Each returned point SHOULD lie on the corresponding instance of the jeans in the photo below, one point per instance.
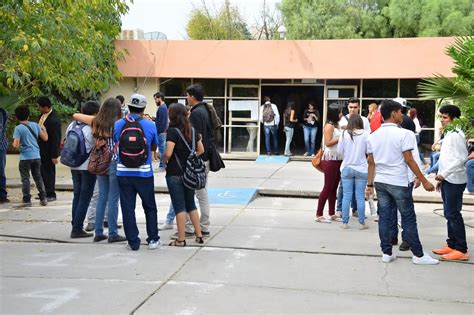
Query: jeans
(83, 183)
(203, 199)
(395, 222)
(182, 197)
(470, 175)
(3, 178)
(391, 197)
(162, 147)
(452, 204)
(93, 205)
(353, 180)
(310, 139)
(340, 194)
(25, 166)
(171, 215)
(273, 130)
(129, 187)
(289, 136)
(108, 197)
(332, 175)
(434, 163)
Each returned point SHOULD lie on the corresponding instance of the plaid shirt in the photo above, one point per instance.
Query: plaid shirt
(3, 130)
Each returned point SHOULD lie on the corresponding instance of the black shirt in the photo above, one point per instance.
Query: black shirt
(180, 150)
(408, 123)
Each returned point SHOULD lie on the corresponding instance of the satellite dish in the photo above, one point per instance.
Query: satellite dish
(155, 36)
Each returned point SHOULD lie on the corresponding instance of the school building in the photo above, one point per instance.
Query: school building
(236, 75)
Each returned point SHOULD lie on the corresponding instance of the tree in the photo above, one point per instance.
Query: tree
(459, 89)
(61, 48)
(227, 23)
(266, 27)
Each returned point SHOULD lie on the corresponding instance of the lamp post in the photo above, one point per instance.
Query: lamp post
(282, 31)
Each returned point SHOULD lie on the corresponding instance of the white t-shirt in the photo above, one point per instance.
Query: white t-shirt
(345, 119)
(275, 121)
(354, 150)
(90, 143)
(387, 145)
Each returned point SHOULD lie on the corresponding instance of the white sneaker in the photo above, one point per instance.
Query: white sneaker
(425, 260)
(154, 244)
(387, 258)
(165, 226)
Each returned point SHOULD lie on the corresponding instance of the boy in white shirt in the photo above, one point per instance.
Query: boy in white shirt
(452, 179)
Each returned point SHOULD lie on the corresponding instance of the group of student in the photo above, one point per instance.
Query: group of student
(113, 144)
(385, 158)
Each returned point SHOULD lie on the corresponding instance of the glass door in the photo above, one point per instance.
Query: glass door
(339, 94)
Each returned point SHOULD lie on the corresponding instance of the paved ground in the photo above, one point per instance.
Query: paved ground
(265, 257)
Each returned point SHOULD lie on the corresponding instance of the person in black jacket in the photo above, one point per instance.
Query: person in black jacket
(49, 150)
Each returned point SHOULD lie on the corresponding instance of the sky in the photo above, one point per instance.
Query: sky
(170, 16)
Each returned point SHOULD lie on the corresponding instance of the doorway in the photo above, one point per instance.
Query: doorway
(301, 95)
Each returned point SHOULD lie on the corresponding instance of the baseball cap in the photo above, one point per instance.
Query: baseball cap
(138, 101)
(401, 101)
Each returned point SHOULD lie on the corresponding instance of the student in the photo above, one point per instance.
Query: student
(452, 180)
(123, 107)
(390, 155)
(161, 122)
(139, 179)
(25, 138)
(270, 117)
(175, 157)
(289, 121)
(310, 128)
(83, 181)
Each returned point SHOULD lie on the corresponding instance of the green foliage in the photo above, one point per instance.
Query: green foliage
(459, 89)
(227, 23)
(62, 48)
(328, 19)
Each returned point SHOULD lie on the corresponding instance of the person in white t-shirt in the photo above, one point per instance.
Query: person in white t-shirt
(270, 117)
(390, 156)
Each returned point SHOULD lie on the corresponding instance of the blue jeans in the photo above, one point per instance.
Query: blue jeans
(289, 136)
(340, 194)
(353, 181)
(182, 197)
(470, 175)
(83, 183)
(273, 130)
(129, 187)
(434, 163)
(452, 204)
(171, 215)
(310, 139)
(3, 179)
(162, 147)
(108, 196)
(391, 198)
(394, 221)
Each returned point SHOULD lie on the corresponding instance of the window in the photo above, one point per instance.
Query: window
(380, 88)
(408, 88)
(212, 87)
(174, 87)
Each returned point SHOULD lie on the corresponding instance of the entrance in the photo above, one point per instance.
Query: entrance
(301, 95)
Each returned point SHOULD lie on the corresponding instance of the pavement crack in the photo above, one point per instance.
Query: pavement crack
(384, 280)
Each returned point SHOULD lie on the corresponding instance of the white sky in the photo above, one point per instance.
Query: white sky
(170, 16)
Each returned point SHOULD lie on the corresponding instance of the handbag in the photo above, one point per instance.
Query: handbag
(316, 161)
(215, 159)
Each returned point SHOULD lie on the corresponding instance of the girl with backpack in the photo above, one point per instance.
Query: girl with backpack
(176, 155)
(102, 130)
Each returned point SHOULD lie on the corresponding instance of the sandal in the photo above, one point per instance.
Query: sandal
(178, 243)
(199, 240)
(322, 219)
(335, 217)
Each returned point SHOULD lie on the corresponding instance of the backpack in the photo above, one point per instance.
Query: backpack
(100, 158)
(216, 122)
(268, 113)
(194, 174)
(133, 151)
(74, 152)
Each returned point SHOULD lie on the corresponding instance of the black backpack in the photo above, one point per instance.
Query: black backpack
(133, 151)
(194, 174)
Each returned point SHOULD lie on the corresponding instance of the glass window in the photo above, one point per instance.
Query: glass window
(426, 111)
(365, 106)
(277, 81)
(174, 87)
(242, 138)
(340, 93)
(380, 88)
(308, 81)
(343, 82)
(243, 81)
(426, 141)
(212, 87)
(244, 91)
(408, 88)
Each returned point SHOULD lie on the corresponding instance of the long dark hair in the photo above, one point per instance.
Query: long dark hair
(287, 112)
(103, 123)
(178, 115)
(355, 123)
(334, 109)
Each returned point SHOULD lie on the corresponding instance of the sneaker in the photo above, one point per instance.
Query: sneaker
(165, 226)
(455, 255)
(404, 246)
(50, 199)
(117, 238)
(154, 244)
(44, 202)
(306, 154)
(387, 258)
(90, 227)
(424, 260)
(81, 234)
(99, 238)
(344, 226)
(363, 226)
(4, 200)
(128, 247)
(313, 155)
(335, 217)
(322, 220)
(205, 233)
(186, 235)
(443, 251)
(26, 204)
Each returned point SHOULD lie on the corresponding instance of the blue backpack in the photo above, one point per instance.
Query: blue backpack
(74, 153)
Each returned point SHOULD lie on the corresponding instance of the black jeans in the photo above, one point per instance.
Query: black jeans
(25, 166)
(452, 204)
(83, 183)
(48, 173)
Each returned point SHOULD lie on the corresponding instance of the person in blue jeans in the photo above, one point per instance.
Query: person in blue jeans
(270, 117)
(352, 146)
(390, 156)
(138, 180)
(161, 122)
(470, 173)
(3, 155)
(310, 128)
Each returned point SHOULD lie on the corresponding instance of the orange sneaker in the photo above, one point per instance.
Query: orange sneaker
(455, 255)
(443, 251)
